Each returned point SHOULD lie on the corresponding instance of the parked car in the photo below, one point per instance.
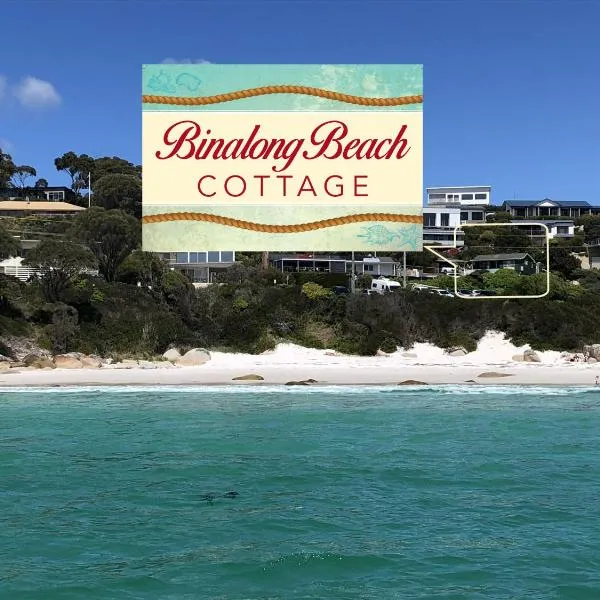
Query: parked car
(340, 290)
(486, 292)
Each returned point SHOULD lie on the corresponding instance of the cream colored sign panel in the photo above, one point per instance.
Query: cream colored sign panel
(301, 158)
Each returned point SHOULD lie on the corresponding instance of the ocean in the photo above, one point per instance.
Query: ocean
(340, 493)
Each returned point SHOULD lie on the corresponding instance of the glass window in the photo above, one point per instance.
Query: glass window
(429, 219)
(477, 216)
(201, 257)
(464, 216)
(467, 196)
(181, 257)
(193, 257)
(226, 256)
(437, 196)
(480, 196)
(213, 257)
(445, 219)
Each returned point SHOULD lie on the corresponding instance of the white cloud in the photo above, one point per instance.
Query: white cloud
(2, 86)
(36, 93)
(185, 61)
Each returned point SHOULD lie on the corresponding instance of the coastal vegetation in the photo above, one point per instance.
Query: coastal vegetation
(98, 293)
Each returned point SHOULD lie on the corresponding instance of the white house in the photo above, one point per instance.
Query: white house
(469, 195)
(439, 223)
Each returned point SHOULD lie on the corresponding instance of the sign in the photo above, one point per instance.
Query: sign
(282, 157)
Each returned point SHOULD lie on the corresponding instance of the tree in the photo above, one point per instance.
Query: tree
(41, 183)
(7, 169)
(77, 167)
(500, 216)
(114, 166)
(57, 262)
(507, 281)
(119, 191)
(9, 245)
(591, 227)
(21, 174)
(110, 235)
(563, 262)
(143, 267)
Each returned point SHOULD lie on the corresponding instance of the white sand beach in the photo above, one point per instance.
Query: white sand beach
(495, 362)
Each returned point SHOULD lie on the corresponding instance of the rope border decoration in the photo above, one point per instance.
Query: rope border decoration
(297, 228)
(282, 89)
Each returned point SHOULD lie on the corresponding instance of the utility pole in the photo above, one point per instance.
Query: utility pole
(89, 190)
(352, 276)
(404, 269)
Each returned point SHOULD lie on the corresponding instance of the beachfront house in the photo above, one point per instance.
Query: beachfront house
(522, 263)
(201, 267)
(49, 194)
(25, 208)
(439, 223)
(532, 209)
(330, 263)
(464, 196)
(558, 229)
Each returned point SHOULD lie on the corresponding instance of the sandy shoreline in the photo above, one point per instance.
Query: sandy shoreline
(575, 375)
(495, 359)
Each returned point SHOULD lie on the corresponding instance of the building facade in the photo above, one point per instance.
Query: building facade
(200, 267)
(531, 209)
(470, 195)
(315, 263)
(439, 223)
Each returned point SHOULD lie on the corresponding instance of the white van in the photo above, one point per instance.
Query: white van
(383, 285)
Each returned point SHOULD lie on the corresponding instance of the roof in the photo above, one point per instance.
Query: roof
(544, 221)
(559, 203)
(486, 257)
(20, 205)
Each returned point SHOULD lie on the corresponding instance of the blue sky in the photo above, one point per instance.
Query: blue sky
(511, 88)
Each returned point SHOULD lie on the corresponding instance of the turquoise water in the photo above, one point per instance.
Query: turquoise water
(453, 493)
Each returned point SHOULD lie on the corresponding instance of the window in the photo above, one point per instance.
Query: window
(226, 256)
(429, 219)
(213, 257)
(481, 196)
(445, 219)
(464, 216)
(453, 196)
(467, 196)
(181, 257)
(369, 267)
(562, 229)
(193, 257)
(55, 196)
(477, 216)
(437, 196)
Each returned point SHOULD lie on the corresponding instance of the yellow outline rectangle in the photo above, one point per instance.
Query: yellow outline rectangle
(456, 293)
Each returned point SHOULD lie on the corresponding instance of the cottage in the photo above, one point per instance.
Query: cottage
(522, 263)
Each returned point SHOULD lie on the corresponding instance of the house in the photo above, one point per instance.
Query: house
(559, 229)
(316, 263)
(470, 195)
(523, 263)
(439, 223)
(531, 209)
(50, 194)
(23, 208)
(200, 267)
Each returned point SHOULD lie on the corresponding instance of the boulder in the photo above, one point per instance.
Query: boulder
(518, 358)
(593, 351)
(456, 352)
(38, 362)
(91, 362)
(164, 364)
(409, 355)
(492, 375)
(68, 361)
(172, 354)
(127, 363)
(531, 356)
(146, 364)
(250, 377)
(194, 358)
(412, 382)
(591, 360)
(4, 366)
(303, 382)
